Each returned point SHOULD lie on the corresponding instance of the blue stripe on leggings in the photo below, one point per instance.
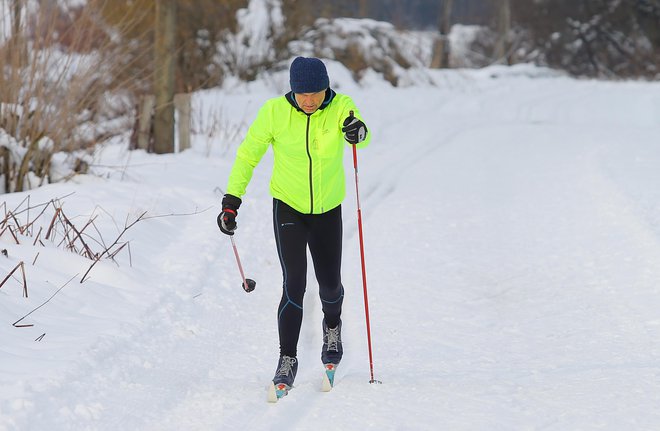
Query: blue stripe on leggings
(279, 253)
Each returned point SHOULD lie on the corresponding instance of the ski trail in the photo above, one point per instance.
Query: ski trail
(534, 247)
(187, 344)
(204, 351)
(512, 266)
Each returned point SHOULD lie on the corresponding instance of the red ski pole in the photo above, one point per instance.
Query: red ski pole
(364, 270)
(248, 284)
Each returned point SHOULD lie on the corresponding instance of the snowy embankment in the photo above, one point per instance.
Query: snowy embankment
(512, 227)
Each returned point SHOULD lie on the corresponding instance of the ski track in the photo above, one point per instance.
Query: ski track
(518, 305)
(178, 369)
(115, 385)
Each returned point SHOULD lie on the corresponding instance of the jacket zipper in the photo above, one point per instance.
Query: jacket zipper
(309, 155)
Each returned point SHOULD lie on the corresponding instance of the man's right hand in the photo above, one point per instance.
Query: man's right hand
(227, 218)
(227, 221)
(355, 131)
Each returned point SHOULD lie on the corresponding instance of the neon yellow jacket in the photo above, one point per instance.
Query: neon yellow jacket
(308, 172)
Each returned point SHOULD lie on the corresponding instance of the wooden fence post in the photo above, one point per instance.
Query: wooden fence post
(145, 122)
(182, 107)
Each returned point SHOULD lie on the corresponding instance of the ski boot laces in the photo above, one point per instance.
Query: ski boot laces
(332, 338)
(286, 366)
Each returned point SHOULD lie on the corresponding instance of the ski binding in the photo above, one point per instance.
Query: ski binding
(329, 377)
(277, 391)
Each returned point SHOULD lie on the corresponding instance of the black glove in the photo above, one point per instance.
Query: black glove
(227, 218)
(354, 130)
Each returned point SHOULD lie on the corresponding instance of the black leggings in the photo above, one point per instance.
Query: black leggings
(294, 232)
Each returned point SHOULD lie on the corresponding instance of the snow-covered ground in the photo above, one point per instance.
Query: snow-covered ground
(512, 235)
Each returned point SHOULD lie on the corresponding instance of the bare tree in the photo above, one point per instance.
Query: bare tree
(57, 94)
(164, 59)
(363, 8)
(442, 48)
(502, 47)
(605, 38)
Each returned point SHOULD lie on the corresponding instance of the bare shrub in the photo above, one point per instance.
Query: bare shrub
(47, 223)
(59, 87)
(215, 128)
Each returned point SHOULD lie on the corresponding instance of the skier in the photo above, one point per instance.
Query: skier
(306, 128)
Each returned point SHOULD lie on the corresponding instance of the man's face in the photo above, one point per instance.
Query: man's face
(310, 102)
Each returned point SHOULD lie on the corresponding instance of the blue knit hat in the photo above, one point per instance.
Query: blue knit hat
(308, 75)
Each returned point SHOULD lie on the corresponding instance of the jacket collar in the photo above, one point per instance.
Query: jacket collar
(329, 95)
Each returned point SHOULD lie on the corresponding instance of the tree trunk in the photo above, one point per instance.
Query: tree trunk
(363, 9)
(442, 48)
(502, 54)
(164, 53)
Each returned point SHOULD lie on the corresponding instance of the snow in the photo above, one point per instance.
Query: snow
(512, 239)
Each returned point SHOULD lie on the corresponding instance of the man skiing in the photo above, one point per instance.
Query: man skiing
(306, 129)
